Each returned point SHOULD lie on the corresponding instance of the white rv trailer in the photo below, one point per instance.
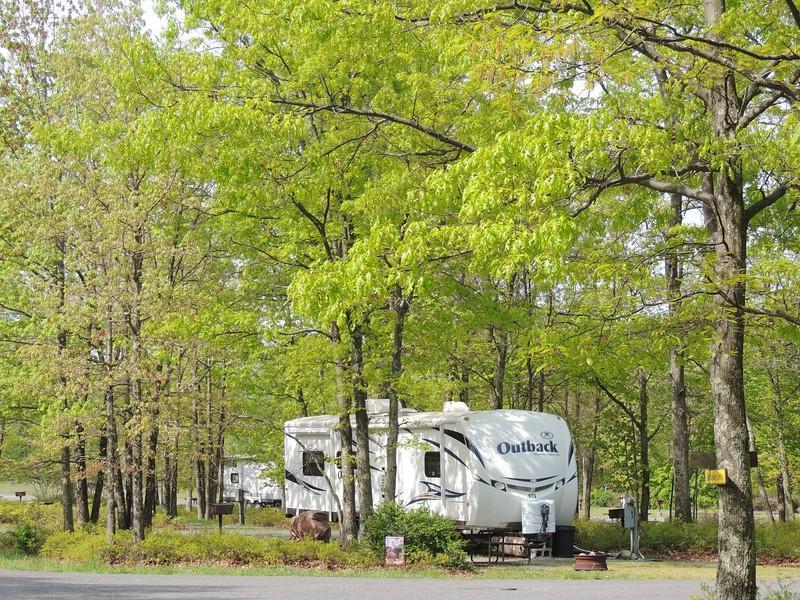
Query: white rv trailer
(245, 474)
(483, 469)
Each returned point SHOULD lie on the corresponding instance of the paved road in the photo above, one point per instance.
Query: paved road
(23, 585)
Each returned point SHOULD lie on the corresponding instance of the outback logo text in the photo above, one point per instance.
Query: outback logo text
(528, 446)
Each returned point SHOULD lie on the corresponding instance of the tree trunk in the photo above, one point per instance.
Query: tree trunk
(99, 481)
(113, 503)
(219, 456)
(137, 504)
(588, 457)
(200, 452)
(680, 419)
(781, 500)
(128, 474)
(151, 489)
(82, 487)
(463, 393)
(170, 462)
(644, 447)
(347, 519)
(736, 567)
(134, 319)
(363, 471)
(401, 307)
(540, 397)
(122, 492)
(500, 342)
(67, 495)
(212, 452)
(680, 437)
(116, 516)
(66, 489)
(751, 444)
(150, 495)
(173, 506)
(166, 463)
(787, 508)
(530, 376)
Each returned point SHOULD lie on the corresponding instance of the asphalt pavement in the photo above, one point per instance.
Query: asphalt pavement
(25, 585)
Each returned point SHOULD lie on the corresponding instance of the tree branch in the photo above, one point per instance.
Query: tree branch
(544, 7)
(16, 310)
(631, 415)
(318, 225)
(305, 332)
(795, 13)
(363, 112)
(765, 202)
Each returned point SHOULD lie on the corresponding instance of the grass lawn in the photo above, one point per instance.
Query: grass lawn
(541, 569)
(626, 569)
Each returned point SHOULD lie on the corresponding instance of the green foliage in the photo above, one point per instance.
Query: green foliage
(779, 541)
(80, 546)
(599, 537)
(429, 539)
(31, 523)
(168, 548)
(27, 538)
(604, 497)
(16, 513)
(773, 542)
(266, 517)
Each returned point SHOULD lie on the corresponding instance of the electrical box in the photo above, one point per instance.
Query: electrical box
(629, 516)
(538, 517)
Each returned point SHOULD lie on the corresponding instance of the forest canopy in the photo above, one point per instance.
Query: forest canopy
(247, 213)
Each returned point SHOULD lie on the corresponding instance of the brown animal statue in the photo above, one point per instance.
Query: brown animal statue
(312, 525)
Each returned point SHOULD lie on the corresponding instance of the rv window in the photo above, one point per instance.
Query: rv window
(432, 465)
(339, 460)
(234, 478)
(312, 462)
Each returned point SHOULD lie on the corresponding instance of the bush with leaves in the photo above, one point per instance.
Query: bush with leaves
(429, 539)
(18, 513)
(773, 542)
(26, 538)
(266, 517)
(170, 547)
(604, 497)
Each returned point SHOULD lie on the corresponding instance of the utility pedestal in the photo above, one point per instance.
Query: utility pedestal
(630, 520)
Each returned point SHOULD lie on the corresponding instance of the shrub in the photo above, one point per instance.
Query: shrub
(429, 538)
(604, 497)
(778, 541)
(600, 537)
(27, 538)
(266, 517)
(78, 546)
(660, 537)
(42, 515)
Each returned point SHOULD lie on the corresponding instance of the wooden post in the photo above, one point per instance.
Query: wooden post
(241, 506)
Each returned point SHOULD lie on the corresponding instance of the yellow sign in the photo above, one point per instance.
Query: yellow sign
(717, 476)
